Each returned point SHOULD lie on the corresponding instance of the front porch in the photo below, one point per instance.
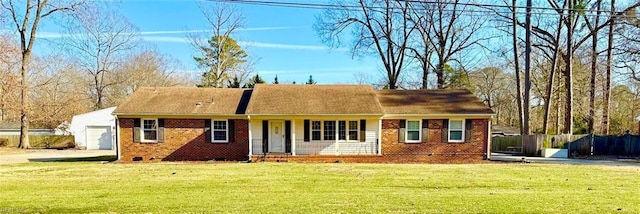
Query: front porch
(315, 137)
(299, 147)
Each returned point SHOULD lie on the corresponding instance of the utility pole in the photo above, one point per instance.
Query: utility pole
(527, 72)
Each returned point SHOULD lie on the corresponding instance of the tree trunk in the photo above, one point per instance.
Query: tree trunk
(607, 88)
(24, 101)
(516, 58)
(594, 68)
(425, 69)
(527, 73)
(557, 117)
(568, 114)
(440, 74)
(554, 66)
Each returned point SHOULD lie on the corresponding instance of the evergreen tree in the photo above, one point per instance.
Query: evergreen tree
(220, 55)
(235, 83)
(253, 81)
(311, 81)
(275, 81)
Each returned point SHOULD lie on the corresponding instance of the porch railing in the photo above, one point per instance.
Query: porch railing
(325, 148)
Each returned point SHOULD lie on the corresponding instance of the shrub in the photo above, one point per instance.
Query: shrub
(4, 142)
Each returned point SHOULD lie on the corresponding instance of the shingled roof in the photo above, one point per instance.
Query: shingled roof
(434, 102)
(313, 100)
(185, 101)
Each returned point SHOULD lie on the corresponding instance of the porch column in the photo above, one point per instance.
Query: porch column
(293, 137)
(379, 136)
(250, 137)
(335, 137)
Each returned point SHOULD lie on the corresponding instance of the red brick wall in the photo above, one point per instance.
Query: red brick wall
(434, 150)
(185, 140)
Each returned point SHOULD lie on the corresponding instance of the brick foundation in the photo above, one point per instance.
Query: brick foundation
(185, 140)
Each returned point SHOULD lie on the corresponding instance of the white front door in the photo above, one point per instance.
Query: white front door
(276, 137)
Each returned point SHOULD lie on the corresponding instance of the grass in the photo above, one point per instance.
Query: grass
(318, 188)
(105, 158)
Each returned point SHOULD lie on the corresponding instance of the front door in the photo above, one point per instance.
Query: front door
(276, 137)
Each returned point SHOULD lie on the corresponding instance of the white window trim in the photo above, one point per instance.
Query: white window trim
(226, 140)
(311, 131)
(462, 131)
(142, 129)
(335, 130)
(348, 128)
(406, 132)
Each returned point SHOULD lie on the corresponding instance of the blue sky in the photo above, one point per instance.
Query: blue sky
(281, 39)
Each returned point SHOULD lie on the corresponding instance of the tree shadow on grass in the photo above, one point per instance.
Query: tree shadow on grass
(76, 159)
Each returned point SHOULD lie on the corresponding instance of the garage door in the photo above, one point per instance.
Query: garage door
(99, 137)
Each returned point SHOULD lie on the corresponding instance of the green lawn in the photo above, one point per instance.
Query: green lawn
(317, 188)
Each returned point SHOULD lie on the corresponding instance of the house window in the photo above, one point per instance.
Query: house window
(315, 130)
(219, 131)
(413, 131)
(342, 130)
(456, 131)
(149, 130)
(353, 130)
(329, 130)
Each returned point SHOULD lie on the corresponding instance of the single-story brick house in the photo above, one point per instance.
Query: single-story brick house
(318, 123)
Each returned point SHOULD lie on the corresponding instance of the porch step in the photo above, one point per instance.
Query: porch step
(273, 158)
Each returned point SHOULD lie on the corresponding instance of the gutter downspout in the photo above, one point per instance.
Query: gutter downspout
(489, 135)
(117, 137)
(250, 138)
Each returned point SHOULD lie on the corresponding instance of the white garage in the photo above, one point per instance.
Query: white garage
(94, 130)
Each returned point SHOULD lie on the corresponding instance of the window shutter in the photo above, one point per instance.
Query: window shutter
(402, 131)
(160, 130)
(265, 136)
(363, 130)
(287, 136)
(467, 131)
(306, 130)
(425, 131)
(445, 130)
(136, 130)
(207, 130)
(231, 129)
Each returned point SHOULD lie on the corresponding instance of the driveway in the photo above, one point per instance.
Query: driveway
(49, 155)
(511, 158)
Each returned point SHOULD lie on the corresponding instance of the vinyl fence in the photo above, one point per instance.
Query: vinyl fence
(40, 141)
(584, 145)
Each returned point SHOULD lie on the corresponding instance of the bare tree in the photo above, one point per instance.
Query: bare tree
(607, 92)
(9, 80)
(594, 64)
(222, 57)
(516, 59)
(379, 27)
(453, 29)
(100, 37)
(147, 68)
(423, 49)
(26, 20)
(58, 90)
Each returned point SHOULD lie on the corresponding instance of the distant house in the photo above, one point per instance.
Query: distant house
(94, 130)
(353, 123)
(502, 130)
